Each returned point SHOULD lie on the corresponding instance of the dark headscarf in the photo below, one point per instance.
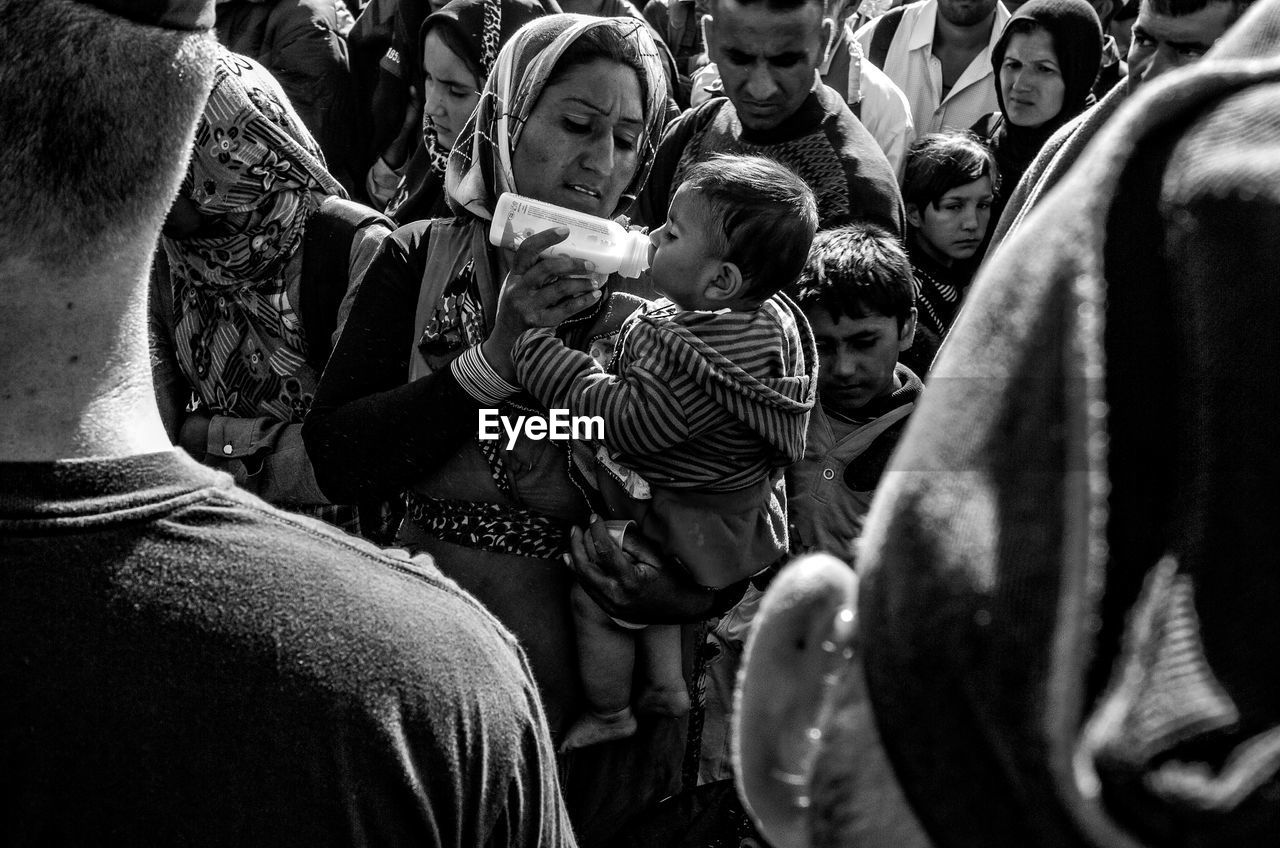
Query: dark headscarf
(1077, 41)
(480, 28)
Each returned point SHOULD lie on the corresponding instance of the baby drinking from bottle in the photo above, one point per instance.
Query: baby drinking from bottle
(705, 401)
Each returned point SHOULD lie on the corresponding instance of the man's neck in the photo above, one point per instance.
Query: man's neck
(797, 123)
(962, 39)
(75, 377)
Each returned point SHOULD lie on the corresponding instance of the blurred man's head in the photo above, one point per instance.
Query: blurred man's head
(768, 53)
(1169, 34)
(99, 112)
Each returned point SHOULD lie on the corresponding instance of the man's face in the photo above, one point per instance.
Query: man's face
(856, 357)
(966, 12)
(1164, 42)
(767, 59)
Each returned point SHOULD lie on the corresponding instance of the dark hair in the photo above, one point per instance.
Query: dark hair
(858, 271)
(1178, 8)
(938, 162)
(98, 121)
(761, 217)
(455, 41)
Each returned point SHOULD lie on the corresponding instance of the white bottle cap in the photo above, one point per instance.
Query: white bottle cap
(635, 260)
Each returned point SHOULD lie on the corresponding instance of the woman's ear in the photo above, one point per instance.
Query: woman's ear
(914, 216)
(798, 660)
(727, 284)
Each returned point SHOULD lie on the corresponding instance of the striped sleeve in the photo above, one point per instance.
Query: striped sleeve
(645, 409)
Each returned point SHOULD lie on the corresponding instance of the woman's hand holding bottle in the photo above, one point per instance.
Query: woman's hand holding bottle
(539, 291)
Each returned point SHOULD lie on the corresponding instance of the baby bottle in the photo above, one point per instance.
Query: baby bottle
(606, 243)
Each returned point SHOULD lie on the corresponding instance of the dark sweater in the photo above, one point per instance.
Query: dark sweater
(184, 665)
(822, 142)
(371, 432)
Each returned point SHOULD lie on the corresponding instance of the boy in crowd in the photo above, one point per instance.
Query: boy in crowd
(705, 402)
(950, 190)
(858, 294)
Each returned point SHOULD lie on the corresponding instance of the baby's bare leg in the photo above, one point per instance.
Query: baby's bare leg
(664, 691)
(606, 660)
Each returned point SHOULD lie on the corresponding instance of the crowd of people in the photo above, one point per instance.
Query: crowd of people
(929, 505)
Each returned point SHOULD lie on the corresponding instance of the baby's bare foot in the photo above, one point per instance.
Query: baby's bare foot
(594, 728)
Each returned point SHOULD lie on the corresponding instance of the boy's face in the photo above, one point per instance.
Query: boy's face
(856, 356)
(682, 261)
(953, 229)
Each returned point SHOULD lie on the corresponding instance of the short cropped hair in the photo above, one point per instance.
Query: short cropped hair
(1178, 8)
(98, 120)
(857, 271)
(760, 216)
(939, 162)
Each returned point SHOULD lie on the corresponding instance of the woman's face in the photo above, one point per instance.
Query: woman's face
(580, 147)
(449, 93)
(1031, 79)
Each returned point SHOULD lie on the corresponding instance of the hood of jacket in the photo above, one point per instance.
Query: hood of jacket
(760, 365)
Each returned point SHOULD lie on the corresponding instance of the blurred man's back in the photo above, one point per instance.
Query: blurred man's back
(181, 663)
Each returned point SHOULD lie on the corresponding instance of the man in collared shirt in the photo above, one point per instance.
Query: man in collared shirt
(940, 57)
(878, 102)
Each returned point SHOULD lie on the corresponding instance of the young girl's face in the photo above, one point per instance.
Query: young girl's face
(953, 228)
(449, 93)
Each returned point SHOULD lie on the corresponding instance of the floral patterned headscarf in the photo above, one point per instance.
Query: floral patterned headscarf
(479, 168)
(259, 174)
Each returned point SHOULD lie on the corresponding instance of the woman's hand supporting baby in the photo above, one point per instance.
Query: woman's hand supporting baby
(539, 291)
(631, 582)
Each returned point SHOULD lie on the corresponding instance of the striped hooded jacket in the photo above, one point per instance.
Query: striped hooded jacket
(714, 401)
